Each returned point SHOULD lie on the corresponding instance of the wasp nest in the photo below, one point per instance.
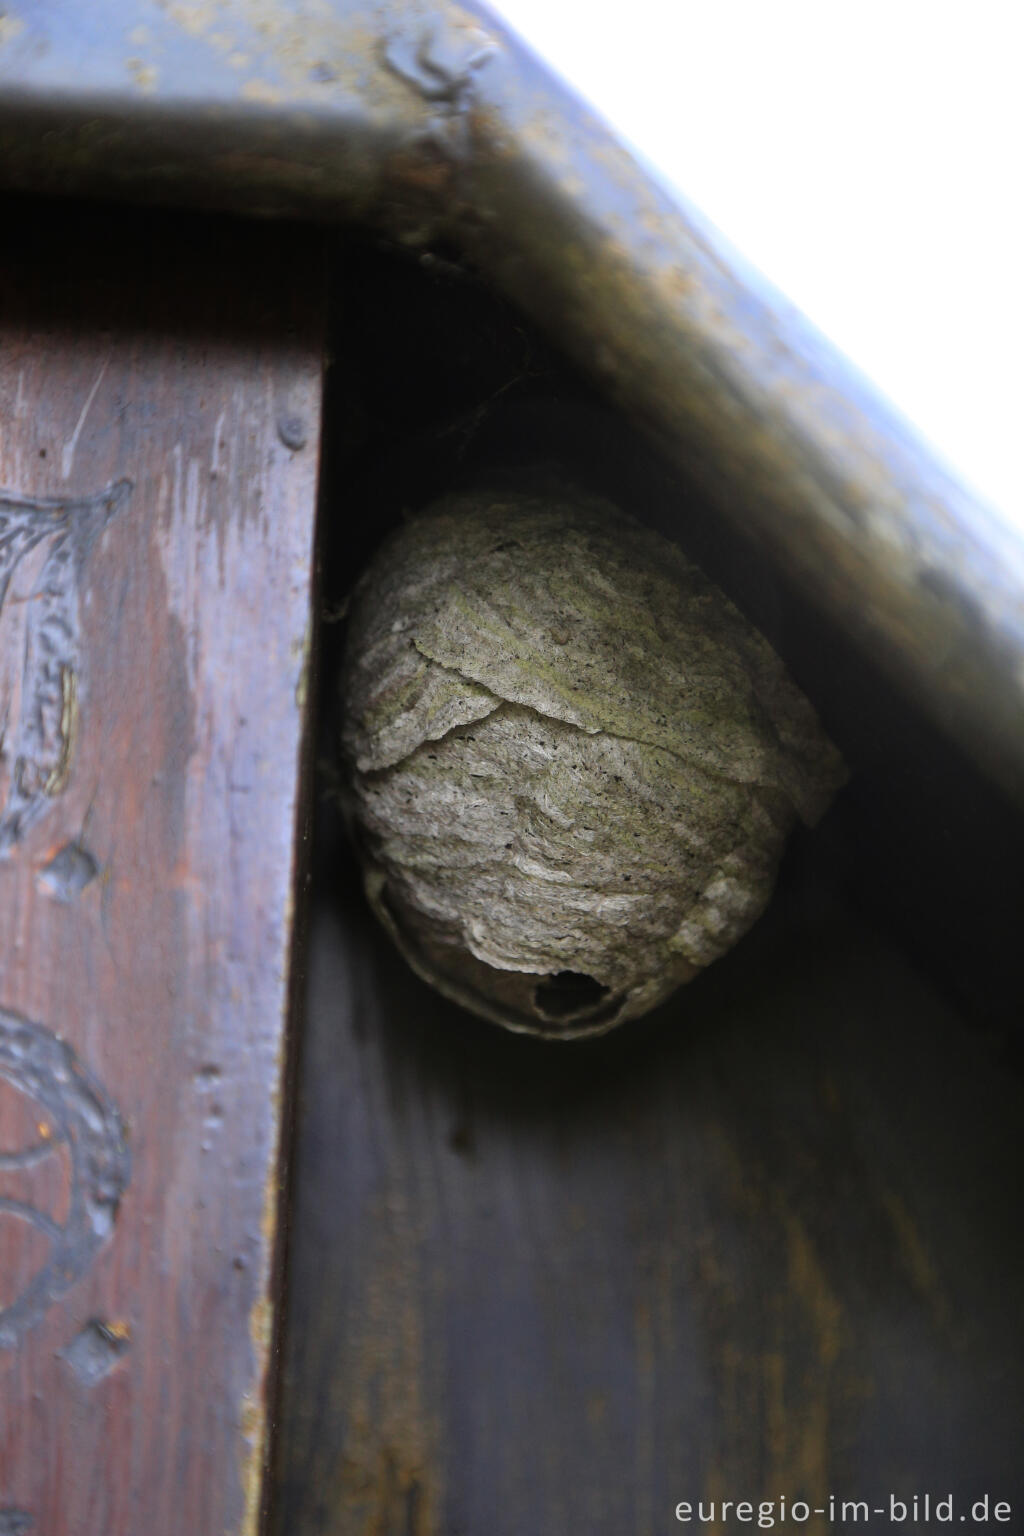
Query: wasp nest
(571, 764)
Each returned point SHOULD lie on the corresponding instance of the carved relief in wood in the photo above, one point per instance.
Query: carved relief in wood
(44, 545)
(74, 1123)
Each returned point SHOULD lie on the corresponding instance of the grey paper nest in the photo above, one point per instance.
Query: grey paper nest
(571, 765)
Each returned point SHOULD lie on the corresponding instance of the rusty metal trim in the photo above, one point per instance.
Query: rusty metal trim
(432, 122)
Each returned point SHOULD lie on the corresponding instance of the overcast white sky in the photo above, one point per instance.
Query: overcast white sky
(866, 156)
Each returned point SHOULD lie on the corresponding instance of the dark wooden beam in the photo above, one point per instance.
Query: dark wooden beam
(159, 431)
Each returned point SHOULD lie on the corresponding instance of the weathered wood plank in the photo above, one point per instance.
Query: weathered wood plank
(765, 1243)
(159, 429)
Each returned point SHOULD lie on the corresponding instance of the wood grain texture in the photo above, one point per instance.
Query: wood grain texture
(153, 720)
(764, 1243)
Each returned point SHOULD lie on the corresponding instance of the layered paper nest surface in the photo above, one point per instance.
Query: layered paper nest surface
(571, 763)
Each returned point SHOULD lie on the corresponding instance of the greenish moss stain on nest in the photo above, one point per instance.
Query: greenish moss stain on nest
(567, 755)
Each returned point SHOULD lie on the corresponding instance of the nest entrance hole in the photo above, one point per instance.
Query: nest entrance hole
(568, 995)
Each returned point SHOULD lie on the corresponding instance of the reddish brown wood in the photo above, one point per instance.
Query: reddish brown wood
(159, 427)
